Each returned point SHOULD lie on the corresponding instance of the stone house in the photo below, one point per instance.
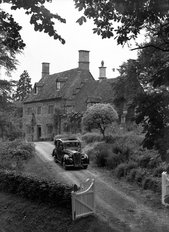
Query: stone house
(54, 96)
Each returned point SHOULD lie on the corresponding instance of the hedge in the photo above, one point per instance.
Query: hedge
(39, 190)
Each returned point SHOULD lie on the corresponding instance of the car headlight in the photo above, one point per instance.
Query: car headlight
(84, 156)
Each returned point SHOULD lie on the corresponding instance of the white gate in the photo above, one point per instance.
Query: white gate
(165, 189)
(83, 200)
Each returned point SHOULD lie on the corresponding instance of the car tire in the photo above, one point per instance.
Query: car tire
(85, 167)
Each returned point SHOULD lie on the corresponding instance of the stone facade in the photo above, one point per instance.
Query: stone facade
(57, 95)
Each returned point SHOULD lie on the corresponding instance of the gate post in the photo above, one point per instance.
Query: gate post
(165, 188)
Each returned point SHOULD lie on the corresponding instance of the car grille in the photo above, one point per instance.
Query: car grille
(77, 158)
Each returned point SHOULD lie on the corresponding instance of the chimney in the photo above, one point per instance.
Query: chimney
(84, 60)
(45, 69)
(102, 72)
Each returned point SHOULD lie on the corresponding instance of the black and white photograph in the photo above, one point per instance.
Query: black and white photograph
(84, 115)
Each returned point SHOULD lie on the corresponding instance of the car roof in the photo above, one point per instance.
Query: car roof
(67, 139)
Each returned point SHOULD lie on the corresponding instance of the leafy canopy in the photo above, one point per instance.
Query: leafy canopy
(124, 20)
(11, 41)
(99, 116)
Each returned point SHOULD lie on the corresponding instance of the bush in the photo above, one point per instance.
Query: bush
(13, 154)
(92, 137)
(158, 171)
(124, 169)
(123, 150)
(120, 170)
(139, 176)
(113, 161)
(101, 158)
(131, 175)
(152, 183)
(35, 189)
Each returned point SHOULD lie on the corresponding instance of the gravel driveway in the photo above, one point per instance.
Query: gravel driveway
(121, 210)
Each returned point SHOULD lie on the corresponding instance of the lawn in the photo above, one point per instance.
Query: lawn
(21, 215)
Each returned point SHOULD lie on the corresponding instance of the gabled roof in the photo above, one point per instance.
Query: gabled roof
(70, 80)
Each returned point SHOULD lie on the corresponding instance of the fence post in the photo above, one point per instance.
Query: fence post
(165, 184)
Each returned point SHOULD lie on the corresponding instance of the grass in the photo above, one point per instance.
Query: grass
(21, 215)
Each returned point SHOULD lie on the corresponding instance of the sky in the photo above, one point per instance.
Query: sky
(42, 48)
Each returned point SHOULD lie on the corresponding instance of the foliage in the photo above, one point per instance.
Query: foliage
(124, 20)
(14, 154)
(99, 116)
(153, 114)
(152, 183)
(153, 68)
(101, 154)
(24, 86)
(39, 190)
(91, 137)
(73, 122)
(113, 160)
(11, 41)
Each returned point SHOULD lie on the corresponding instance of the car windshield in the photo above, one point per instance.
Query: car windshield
(72, 145)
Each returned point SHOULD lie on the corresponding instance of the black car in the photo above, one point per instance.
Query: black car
(68, 153)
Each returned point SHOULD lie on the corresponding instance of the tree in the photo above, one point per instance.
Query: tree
(99, 116)
(24, 86)
(153, 114)
(153, 68)
(124, 20)
(11, 41)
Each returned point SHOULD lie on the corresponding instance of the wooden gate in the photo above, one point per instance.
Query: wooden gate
(83, 200)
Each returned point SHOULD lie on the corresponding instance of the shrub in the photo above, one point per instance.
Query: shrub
(101, 158)
(139, 176)
(35, 189)
(92, 137)
(123, 150)
(158, 171)
(113, 161)
(13, 154)
(152, 183)
(131, 175)
(120, 170)
(123, 169)
(144, 160)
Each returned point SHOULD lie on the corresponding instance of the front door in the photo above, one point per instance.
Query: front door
(39, 132)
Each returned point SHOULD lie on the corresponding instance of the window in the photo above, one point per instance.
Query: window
(39, 110)
(50, 109)
(49, 129)
(58, 85)
(36, 89)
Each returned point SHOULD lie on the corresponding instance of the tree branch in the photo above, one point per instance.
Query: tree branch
(151, 45)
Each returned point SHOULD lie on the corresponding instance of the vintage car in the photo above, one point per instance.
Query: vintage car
(68, 153)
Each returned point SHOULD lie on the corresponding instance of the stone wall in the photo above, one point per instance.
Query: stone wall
(42, 127)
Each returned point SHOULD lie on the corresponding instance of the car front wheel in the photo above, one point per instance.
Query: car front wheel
(85, 166)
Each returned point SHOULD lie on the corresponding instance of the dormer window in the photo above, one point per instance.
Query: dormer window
(58, 85)
(35, 89)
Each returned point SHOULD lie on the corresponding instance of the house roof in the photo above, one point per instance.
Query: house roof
(104, 90)
(71, 81)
